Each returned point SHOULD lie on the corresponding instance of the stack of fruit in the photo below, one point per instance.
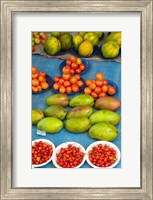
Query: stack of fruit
(99, 87)
(84, 42)
(70, 80)
(112, 45)
(58, 42)
(38, 38)
(39, 82)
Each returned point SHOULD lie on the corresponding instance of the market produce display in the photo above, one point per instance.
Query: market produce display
(82, 104)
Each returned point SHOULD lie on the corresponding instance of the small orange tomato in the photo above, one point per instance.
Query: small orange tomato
(92, 86)
(56, 79)
(73, 79)
(102, 94)
(72, 71)
(41, 78)
(88, 82)
(80, 83)
(44, 85)
(66, 70)
(77, 77)
(66, 77)
(74, 65)
(105, 82)
(68, 62)
(82, 67)
(99, 83)
(42, 73)
(35, 82)
(67, 83)
(104, 88)
(62, 89)
(44, 36)
(39, 88)
(94, 95)
(35, 75)
(75, 88)
(87, 90)
(69, 89)
(72, 58)
(34, 89)
(111, 90)
(56, 86)
(99, 76)
(97, 90)
(78, 70)
(79, 61)
(34, 70)
(61, 81)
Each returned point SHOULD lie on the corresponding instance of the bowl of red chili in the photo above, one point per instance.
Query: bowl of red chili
(42, 152)
(69, 155)
(102, 154)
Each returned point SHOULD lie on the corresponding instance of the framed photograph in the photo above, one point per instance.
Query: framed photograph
(76, 100)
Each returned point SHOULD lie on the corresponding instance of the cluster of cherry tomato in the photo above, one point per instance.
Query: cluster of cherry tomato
(73, 65)
(69, 157)
(39, 82)
(41, 152)
(70, 81)
(99, 87)
(102, 155)
(38, 38)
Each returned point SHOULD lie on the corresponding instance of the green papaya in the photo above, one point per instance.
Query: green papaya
(37, 115)
(82, 100)
(77, 125)
(103, 131)
(105, 116)
(80, 111)
(50, 125)
(55, 111)
(114, 36)
(110, 49)
(57, 99)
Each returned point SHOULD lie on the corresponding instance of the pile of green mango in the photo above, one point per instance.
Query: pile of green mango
(112, 45)
(80, 118)
(57, 42)
(84, 42)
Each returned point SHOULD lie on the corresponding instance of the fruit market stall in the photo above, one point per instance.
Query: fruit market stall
(76, 102)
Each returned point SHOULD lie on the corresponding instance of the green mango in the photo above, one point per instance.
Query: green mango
(110, 49)
(114, 36)
(92, 37)
(80, 111)
(82, 34)
(52, 45)
(85, 48)
(77, 40)
(82, 100)
(55, 34)
(55, 111)
(105, 116)
(66, 41)
(37, 115)
(99, 34)
(103, 131)
(50, 125)
(77, 125)
(57, 99)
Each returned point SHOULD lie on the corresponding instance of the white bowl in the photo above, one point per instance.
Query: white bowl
(47, 142)
(118, 156)
(64, 145)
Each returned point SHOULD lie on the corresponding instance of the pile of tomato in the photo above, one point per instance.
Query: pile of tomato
(71, 79)
(69, 157)
(39, 82)
(99, 87)
(102, 155)
(41, 152)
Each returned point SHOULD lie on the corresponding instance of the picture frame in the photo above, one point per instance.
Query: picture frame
(7, 10)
